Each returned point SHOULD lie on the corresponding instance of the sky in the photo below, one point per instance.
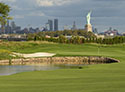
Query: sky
(35, 13)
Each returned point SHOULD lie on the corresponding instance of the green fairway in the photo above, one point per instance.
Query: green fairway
(93, 78)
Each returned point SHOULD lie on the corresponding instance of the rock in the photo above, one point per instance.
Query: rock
(61, 60)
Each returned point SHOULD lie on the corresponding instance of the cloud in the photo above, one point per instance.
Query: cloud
(29, 14)
(48, 3)
(109, 0)
(18, 16)
(8, 1)
(14, 7)
(36, 13)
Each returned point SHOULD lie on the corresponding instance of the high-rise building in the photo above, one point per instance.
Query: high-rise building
(8, 28)
(50, 22)
(46, 27)
(13, 25)
(55, 24)
(74, 26)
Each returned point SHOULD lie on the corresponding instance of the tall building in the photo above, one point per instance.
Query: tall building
(13, 25)
(74, 26)
(50, 22)
(8, 28)
(47, 27)
(55, 24)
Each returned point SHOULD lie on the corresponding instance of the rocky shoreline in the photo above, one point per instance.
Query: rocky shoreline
(60, 60)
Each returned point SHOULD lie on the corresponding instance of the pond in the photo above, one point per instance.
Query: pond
(13, 69)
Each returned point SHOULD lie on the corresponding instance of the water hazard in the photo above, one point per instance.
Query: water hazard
(13, 69)
(8, 70)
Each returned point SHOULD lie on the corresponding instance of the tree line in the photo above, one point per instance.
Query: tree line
(79, 32)
(79, 37)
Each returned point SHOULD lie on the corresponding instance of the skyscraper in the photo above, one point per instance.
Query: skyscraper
(74, 26)
(13, 25)
(50, 22)
(8, 28)
(55, 24)
(46, 27)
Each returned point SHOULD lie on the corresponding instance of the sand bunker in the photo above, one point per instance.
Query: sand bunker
(40, 54)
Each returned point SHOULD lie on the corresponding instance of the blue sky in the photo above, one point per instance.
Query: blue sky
(106, 13)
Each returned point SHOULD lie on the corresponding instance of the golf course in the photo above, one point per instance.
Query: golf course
(91, 78)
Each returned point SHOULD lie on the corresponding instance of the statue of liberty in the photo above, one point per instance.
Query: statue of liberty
(89, 17)
(88, 26)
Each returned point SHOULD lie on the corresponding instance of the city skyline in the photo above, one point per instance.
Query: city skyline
(37, 12)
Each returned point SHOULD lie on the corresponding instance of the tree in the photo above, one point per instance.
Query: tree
(62, 39)
(4, 15)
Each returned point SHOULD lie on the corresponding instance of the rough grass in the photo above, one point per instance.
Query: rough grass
(93, 78)
(5, 54)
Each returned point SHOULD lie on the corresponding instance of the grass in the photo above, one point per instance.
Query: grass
(5, 54)
(94, 78)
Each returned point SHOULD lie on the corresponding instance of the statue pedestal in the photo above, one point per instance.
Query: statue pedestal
(88, 27)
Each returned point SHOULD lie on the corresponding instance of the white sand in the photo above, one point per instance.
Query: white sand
(40, 54)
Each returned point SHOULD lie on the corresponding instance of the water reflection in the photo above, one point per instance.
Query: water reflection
(8, 70)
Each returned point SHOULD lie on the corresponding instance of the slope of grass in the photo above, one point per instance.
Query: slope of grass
(5, 54)
(93, 78)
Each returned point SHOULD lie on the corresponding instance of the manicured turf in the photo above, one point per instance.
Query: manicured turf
(93, 78)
